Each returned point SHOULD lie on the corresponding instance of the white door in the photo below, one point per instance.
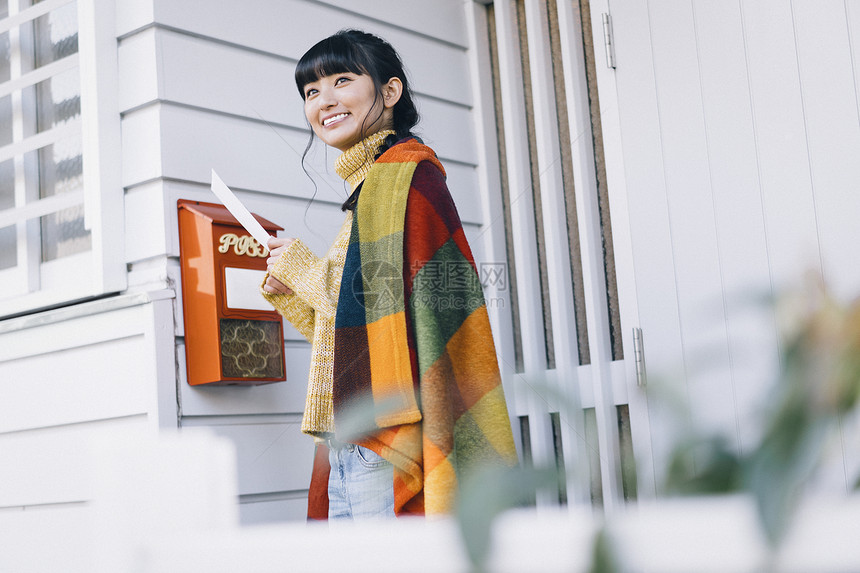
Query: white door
(732, 135)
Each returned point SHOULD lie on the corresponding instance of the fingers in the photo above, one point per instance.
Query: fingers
(276, 247)
(279, 244)
(275, 242)
(274, 286)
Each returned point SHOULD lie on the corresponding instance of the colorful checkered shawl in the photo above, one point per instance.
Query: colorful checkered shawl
(413, 336)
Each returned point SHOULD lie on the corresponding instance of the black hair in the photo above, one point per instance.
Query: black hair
(361, 53)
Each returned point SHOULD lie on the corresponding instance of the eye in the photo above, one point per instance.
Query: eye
(342, 80)
(309, 92)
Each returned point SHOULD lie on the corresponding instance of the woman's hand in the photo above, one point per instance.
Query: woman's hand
(276, 248)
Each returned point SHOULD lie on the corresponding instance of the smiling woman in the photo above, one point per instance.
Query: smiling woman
(388, 330)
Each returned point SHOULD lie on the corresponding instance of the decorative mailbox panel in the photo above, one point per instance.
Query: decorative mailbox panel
(232, 335)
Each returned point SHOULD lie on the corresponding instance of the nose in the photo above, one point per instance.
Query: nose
(326, 98)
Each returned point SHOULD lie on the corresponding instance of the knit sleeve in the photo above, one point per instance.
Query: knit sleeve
(309, 277)
(298, 312)
(312, 281)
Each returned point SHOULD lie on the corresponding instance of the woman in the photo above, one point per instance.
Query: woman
(404, 387)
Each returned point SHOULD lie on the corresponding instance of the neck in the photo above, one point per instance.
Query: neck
(354, 163)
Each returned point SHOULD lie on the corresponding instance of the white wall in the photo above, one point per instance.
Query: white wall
(68, 377)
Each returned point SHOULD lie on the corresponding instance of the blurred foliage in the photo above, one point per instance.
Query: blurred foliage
(818, 382)
(603, 557)
(488, 492)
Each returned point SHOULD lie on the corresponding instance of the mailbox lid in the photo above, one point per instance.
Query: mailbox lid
(218, 214)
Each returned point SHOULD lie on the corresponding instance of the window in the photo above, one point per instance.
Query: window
(50, 236)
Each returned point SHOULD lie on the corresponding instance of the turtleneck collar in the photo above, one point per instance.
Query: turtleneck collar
(354, 163)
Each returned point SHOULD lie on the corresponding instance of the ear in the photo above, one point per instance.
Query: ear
(391, 92)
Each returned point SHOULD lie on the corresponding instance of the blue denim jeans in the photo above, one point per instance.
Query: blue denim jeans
(360, 485)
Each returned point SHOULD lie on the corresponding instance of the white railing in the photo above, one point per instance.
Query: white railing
(168, 503)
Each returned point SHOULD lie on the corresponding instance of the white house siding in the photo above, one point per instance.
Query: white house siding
(739, 128)
(201, 85)
(208, 84)
(68, 377)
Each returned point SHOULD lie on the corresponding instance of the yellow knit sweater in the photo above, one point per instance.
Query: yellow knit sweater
(315, 283)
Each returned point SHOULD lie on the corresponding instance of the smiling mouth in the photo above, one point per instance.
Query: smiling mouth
(334, 118)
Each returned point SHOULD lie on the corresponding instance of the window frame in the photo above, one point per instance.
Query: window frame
(34, 284)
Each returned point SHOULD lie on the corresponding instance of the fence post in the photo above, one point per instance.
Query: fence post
(150, 487)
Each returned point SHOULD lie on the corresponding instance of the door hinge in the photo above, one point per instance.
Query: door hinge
(608, 41)
(639, 357)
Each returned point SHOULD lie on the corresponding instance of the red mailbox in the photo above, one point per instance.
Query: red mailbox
(232, 335)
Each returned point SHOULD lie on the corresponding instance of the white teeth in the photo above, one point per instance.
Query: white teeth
(334, 118)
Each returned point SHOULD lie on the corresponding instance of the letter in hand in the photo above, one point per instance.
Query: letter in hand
(276, 247)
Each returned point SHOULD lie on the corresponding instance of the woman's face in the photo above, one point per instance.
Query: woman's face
(344, 108)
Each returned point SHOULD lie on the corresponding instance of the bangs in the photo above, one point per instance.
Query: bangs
(334, 55)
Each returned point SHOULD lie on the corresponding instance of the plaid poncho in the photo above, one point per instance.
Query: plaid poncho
(413, 336)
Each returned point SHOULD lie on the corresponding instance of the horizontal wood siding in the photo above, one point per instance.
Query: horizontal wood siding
(52, 465)
(259, 512)
(69, 378)
(273, 458)
(279, 398)
(25, 532)
(441, 20)
(92, 367)
(289, 27)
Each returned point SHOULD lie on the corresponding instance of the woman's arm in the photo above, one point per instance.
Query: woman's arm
(300, 285)
(296, 310)
(305, 275)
